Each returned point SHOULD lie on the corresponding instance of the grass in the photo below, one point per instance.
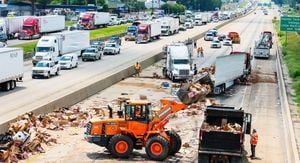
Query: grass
(94, 34)
(69, 23)
(104, 32)
(291, 57)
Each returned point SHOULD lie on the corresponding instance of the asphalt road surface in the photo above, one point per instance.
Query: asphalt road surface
(259, 98)
(35, 92)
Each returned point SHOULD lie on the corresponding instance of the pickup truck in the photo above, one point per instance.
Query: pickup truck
(45, 69)
(111, 48)
(115, 39)
(91, 54)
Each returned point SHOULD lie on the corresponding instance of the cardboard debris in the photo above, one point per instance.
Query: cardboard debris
(186, 145)
(225, 127)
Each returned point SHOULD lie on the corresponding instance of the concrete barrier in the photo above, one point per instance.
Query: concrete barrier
(100, 83)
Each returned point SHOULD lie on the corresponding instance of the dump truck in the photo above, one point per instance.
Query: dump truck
(11, 61)
(178, 61)
(227, 70)
(234, 36)
(148, 31)
(34, 27)
(51, 47)
(222, 135)
(92, 20)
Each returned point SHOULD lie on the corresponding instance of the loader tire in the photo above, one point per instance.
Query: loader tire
(175, 142)
(157, 148)
(120, 146)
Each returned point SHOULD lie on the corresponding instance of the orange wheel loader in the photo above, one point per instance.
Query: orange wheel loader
(140, 127)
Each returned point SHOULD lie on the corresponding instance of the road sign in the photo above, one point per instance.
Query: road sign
(290, 23)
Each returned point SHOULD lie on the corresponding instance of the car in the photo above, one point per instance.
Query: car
(111, 48)
(68, 61)
(215, 44)
(215, 20)
(227, 41)
(182, 28)
(91, 54)
(208, 36)
(221, 37)
(98, 44)
(46, 69)
(123, 20)
(214, 32)
(115, 39)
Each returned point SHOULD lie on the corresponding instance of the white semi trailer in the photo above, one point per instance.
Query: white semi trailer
(12, 67)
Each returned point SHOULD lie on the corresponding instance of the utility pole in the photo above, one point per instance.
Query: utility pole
(152, 7)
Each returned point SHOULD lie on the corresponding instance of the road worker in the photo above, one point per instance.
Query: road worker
(253, 142)
(137, 68)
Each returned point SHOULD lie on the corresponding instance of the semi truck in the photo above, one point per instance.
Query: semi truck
(169, 26)
(34, 27)
(132, 31)
(92, 20)
(222, 134)
(148, 31)
(57, 44)
(227, 70)
(11, 61)
(198, 19)
(263, 45)
(10, 26)
(178, 61)
(205, 18)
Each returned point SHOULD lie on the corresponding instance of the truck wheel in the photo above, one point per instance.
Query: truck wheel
(236, 160)
(57, 73)
(157, 148)
(175, 142)
(120, 146)
(203, 158)
(48, 75)
(7, 86)
(12, 84)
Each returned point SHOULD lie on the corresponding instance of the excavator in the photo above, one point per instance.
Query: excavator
(140, 127)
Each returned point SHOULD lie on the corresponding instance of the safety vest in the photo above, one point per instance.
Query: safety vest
(254, 139)
(137, 66)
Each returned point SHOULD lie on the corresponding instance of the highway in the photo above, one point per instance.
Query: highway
(33, 93)
(259, 98)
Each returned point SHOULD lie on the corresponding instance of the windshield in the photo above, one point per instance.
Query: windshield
(181, 61)
(85, 20)
(110, 45)
(216, 41)
(209, 34)
(65, 58)
(90, 51)
(43, 49)
(27, 27)
(165, 26)
(42, 64)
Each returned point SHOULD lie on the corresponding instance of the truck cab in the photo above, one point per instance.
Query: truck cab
(198, 19)
(165, 28)
(131, 33)
(46, 49)
(30, 29)
(178, 62)
(3, 30)
(86, 21)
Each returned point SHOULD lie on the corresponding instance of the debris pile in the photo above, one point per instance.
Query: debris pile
(29, 133)
(225, 127)
(193, 92)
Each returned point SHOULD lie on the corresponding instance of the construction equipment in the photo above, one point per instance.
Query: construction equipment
(141, 126)
(234, 37)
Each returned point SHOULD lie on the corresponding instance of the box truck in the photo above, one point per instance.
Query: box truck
(169, 26)
(198, 19)
(148, 31)
(12, 67)
(205, 17)
(92, 20)
(57, 44)
(34, 27)
(9, 27)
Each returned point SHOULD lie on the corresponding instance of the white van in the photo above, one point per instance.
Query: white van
(68, 61)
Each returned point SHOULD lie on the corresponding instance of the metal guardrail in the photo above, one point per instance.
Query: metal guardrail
(290, 139)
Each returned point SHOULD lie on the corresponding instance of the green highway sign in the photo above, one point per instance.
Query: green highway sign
(290, 23)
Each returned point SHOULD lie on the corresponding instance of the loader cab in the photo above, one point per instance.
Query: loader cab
(138, 111)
